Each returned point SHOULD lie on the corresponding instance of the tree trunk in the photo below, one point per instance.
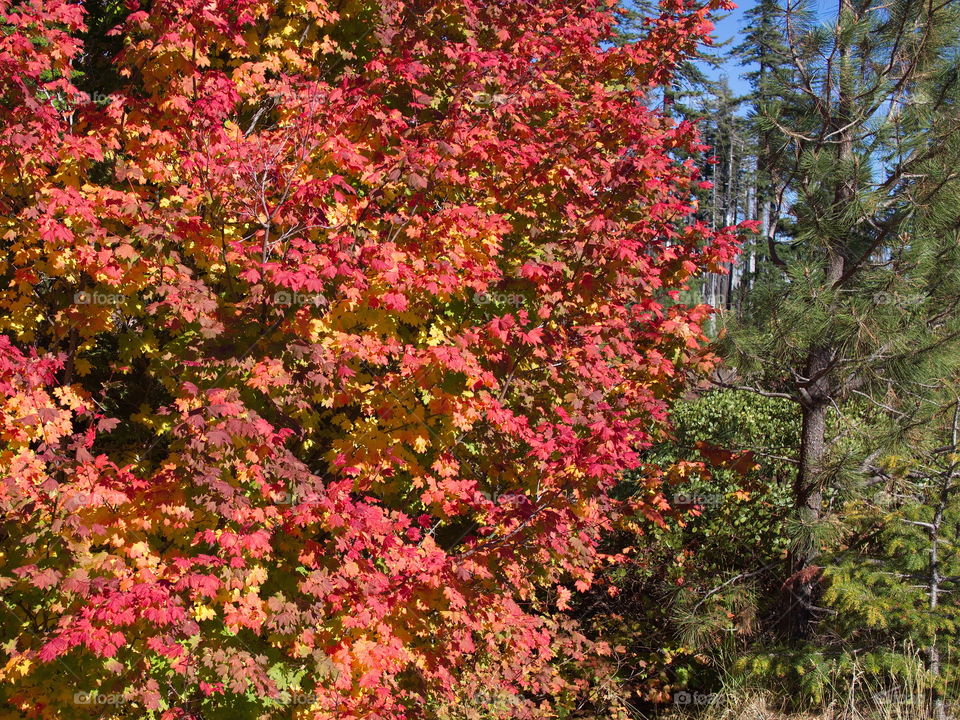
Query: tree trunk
(799, 589)
(816, 389)
(817, 392)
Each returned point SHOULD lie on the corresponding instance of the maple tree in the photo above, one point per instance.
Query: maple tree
(326, 330)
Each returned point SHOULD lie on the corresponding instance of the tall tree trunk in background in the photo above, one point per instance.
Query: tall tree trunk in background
(728, 215)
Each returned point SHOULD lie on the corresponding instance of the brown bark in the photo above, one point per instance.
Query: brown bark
(800, 588)
(817, 390)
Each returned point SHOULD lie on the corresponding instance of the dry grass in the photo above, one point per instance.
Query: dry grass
(890, 705)
(858, 698)
(758, 708)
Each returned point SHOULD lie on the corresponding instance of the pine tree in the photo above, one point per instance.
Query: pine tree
(857, 305)
(895, 577)
(691, 75)
(763, 52)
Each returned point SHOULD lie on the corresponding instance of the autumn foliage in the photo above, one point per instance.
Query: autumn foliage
(326, 330)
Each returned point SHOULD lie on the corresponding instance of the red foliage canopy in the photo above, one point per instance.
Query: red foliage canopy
(328, 327)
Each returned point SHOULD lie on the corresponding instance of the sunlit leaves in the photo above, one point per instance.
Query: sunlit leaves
(330, 328)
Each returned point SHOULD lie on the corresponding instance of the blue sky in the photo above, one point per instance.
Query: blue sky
(734, 24)
(729, 28)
